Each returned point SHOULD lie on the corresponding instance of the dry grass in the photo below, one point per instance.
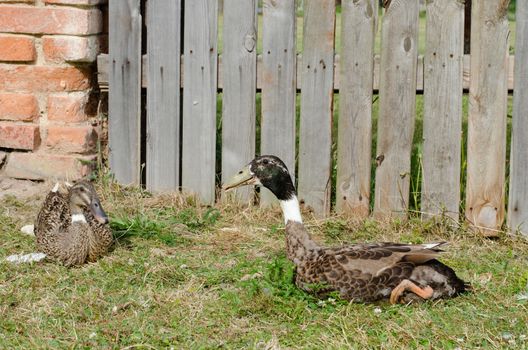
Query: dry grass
(189, 276)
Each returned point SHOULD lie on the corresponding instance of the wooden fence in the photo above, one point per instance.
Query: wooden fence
(183, 73)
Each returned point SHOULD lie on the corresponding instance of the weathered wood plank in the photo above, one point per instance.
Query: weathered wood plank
(199, 98)
(124, 100)
(518, 204)
(102, 66)
(355, 107)
(163, 95)
(487, 115)
(278, 84)
(442, 108)
(399, 57)
(315, 134)
(239, 88)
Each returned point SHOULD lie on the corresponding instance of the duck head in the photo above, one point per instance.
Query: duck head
(268, 171)
(83, 196)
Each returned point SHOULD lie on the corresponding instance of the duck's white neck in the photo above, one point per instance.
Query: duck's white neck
(78, 218)
(291, 210)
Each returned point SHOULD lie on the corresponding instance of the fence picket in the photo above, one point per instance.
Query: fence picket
(239, 60)
(487, 115)
(442, 108)
(278, 84)
(315, 136)
(124, 100)
(355, 106)
(163, 95)
(517, 204)
(199, 98)
(399, 57)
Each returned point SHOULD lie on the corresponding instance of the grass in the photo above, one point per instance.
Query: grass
(192, 276)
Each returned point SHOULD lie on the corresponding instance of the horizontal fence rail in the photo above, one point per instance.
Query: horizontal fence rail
(183, 73)
(103, 71)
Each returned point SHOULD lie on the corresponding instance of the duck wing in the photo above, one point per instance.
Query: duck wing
(53, 215)
(374, 258)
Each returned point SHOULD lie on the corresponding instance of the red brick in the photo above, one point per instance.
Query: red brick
(69, 108)
(49, 20)
(76, 139)
(19, 136)
(22, 78)
(70, 48)
(40, 166)
(22, 107)
(17, 48)
(75, 2)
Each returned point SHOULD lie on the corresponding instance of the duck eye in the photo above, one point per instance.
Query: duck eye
(240, 172)
(265, 161)
(96, 205)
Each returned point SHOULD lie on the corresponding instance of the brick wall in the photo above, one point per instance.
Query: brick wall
(48, 102)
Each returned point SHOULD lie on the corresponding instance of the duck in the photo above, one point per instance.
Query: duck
(72, 228)
(362, 272)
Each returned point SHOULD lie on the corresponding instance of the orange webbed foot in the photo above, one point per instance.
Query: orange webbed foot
(407, 285)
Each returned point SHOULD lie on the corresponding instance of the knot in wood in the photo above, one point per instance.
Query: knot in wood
(249, 42)
(407, 44)
(379, 159)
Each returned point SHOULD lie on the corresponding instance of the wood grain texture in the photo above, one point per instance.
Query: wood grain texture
(487, 115)
(239, 88)
(355, 107)
(124, 100)
(278, 84)
(315, 134)
(163, 95)
(518, 204)
(442, 108)
(199, 98)
(399, 56)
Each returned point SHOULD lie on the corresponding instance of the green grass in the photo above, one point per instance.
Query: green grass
(223, 281)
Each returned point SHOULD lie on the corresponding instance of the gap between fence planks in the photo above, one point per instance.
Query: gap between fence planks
(315, 134)
(239, 83)
(278, 85)
(398, 67)
(199, 98)
(124, 100)
(163, 95)
(103, 71)
(518, 204)
(355, 107)
(487, 116)
(442, 128)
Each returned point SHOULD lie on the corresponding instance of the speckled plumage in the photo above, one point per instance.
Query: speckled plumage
(67, 242)
(360, 272)
(366, 272)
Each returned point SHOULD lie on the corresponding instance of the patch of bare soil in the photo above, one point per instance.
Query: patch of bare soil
(24, 190)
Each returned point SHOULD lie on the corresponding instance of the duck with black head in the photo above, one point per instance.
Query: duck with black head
(362, 272)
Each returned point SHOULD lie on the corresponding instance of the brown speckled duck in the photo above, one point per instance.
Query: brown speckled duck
(360, 272)
(73, 228)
